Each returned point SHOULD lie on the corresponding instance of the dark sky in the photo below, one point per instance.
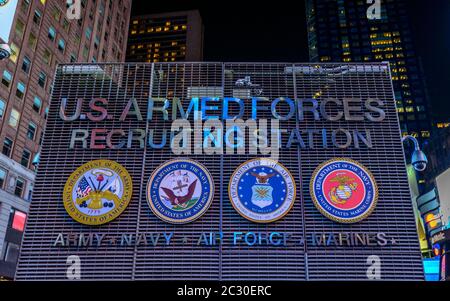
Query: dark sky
(276, 31)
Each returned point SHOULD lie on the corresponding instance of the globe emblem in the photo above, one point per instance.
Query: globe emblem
(341, 193)
(344, 192)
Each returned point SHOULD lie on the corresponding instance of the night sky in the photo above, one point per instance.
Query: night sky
(265, 32)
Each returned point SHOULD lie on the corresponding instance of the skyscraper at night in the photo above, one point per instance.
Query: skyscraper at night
(41, 35)
(340, 31)
(167, 37)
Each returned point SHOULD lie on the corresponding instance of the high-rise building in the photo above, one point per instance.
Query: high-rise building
(42, 34)
(340, 31)
(167, 37)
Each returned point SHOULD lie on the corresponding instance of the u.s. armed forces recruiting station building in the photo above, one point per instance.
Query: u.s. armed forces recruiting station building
(235, 171)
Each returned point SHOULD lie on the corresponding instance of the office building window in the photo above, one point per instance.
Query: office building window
(7, 147)
(2, 177)
(25, 5)
(88, 33)
(32, 41)
(26, 64)
(2, 108)
(14, 118)
(14, 53)
(20, 28)
(17, 219)
(6, 78)
(47, 57)
(20, 185)
(42, 79)
(31, 132)
(52, 33)
(61, 45)
(20, 92)
(37, 104)
(37, 17)
(26, 156)
(56, 13)
(12, 253)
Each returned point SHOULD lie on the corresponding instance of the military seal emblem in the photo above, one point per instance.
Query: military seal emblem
(180, 191)
(344, 190)
(97, 192)
(262, 190)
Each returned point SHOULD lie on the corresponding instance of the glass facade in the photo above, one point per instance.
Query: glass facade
(340, 31)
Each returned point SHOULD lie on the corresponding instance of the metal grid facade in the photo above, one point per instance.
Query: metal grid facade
(393, 215)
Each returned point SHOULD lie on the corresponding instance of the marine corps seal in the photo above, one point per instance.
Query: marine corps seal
(97, 192)
(344, 190)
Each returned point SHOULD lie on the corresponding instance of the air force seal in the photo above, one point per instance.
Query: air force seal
(344, 190)
(180, 191)
(262, 190)
(97, 192)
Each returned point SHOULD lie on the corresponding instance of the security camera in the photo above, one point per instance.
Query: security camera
(5, 51)
(419, 160)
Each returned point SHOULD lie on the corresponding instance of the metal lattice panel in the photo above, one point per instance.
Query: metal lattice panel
(120, 82)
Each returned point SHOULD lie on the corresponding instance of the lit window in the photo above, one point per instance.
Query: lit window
(14, 53)
(7, 78)
(37, 104)
(14, 118)
(31, 131)
(61, 45)
(2, 108)
(20, 92)
(52, 33)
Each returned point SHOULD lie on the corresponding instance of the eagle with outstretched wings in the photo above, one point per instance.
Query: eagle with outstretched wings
(262, 178)
(180, 200)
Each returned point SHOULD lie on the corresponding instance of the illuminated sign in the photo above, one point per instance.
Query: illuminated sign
(216, 127)
(262, 190)
(97, 192)
(7, 12)
(214, 239)
(221, 157)
(180, 191)
(344, 190)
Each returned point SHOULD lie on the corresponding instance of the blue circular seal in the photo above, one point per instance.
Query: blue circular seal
(344, 190)
(262, 190)
(180, 191)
